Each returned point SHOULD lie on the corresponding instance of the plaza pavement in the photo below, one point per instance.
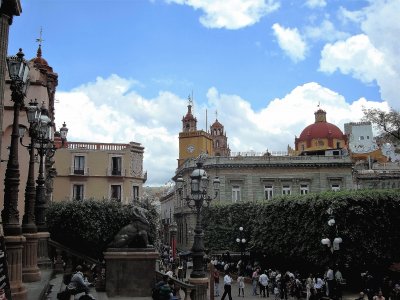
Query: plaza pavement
(57, 285)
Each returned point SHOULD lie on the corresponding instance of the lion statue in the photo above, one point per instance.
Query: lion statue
(135, 234)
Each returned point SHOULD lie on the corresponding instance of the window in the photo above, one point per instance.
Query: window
(216, 144)
(302, 147)
(235, 193)
(286, 190)
(361, 138)
(268, 192)
(135, 192)
(337, 145)
(79, 164)
(77, 192)
(335, 187)
(304, 189)
(116, 192)
(116, 165)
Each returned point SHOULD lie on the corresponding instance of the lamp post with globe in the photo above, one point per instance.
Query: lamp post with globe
(197, 199)
(241, 242)
(333, 241)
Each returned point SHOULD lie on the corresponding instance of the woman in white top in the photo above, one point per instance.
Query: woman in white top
(240, 281)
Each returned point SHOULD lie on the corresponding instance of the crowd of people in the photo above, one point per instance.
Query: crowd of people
(273, 283)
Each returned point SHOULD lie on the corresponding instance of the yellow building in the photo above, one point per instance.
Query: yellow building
(193, 142)
(99, 171)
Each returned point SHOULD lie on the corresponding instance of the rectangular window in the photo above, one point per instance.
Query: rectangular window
(268, 192)
(335, 187)
(286, 190)
(116, 192)
(79, 165)
(361, 138)
(235, 193)
(304, 189)
(77, 192)
(116, 163)
(135, 193)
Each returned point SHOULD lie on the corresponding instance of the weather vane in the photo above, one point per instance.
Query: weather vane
(40, 39)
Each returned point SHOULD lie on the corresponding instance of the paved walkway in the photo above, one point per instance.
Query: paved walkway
(57, 286)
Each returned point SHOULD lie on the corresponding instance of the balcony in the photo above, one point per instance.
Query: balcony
(79, 172)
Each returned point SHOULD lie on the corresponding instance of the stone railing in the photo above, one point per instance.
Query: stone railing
(65, 258)
(190, 291)
(240, 160)
(97, 146)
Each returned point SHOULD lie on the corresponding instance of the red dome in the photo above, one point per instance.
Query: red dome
(321, 130)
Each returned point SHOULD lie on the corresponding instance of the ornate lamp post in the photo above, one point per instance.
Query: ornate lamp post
(334, 241)
(241, 242)
(18, 70)
(198, 198)
(42, 139)
(40, 134)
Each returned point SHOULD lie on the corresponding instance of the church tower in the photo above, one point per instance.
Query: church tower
(193, 142)
(220, 141)
(189, 123)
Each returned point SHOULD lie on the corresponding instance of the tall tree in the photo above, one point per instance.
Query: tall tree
(388, 123)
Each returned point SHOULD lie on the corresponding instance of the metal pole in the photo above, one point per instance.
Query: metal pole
(28, 220)
(10, 214)
(198, 245)
(41, 205)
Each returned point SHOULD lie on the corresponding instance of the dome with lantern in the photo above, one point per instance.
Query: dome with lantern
(320, 136)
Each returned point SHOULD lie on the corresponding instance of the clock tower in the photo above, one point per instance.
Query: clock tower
(193, 142)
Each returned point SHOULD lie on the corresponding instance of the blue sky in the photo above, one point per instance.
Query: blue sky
(264, 65)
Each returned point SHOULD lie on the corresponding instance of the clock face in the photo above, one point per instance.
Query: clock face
(190, 148)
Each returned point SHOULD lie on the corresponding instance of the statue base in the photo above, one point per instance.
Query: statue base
(130, 272)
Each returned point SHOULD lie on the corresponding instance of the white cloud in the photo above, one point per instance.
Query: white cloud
(315, 3)
(356, 56)
(232, 14)
(104, 111)
(372, 55)
(325, 31)
(345, 15)
(291, 42)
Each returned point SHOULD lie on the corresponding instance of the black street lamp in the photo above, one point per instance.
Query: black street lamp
(18, 70)
(40, 132)
(42, 139)
(241, 242)
(199, 198)
(333, 241)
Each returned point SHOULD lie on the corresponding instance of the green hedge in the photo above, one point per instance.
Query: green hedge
(290, 229)
(88, 226)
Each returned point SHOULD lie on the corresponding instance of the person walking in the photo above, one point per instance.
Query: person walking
(254, 279)
(240, 281)
(216, 282)
(263, 280)
(227, 286)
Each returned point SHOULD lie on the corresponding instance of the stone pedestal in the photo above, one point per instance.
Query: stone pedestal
(14, 246)
(43, 259)
(130, 272)
(30, 270)
(201, 287)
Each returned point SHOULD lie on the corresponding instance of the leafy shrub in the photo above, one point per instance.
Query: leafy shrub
(291, 228)
(89, 226)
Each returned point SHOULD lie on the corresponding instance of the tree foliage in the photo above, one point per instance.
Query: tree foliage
(387, 122)
(291, 228)
(89, 226)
